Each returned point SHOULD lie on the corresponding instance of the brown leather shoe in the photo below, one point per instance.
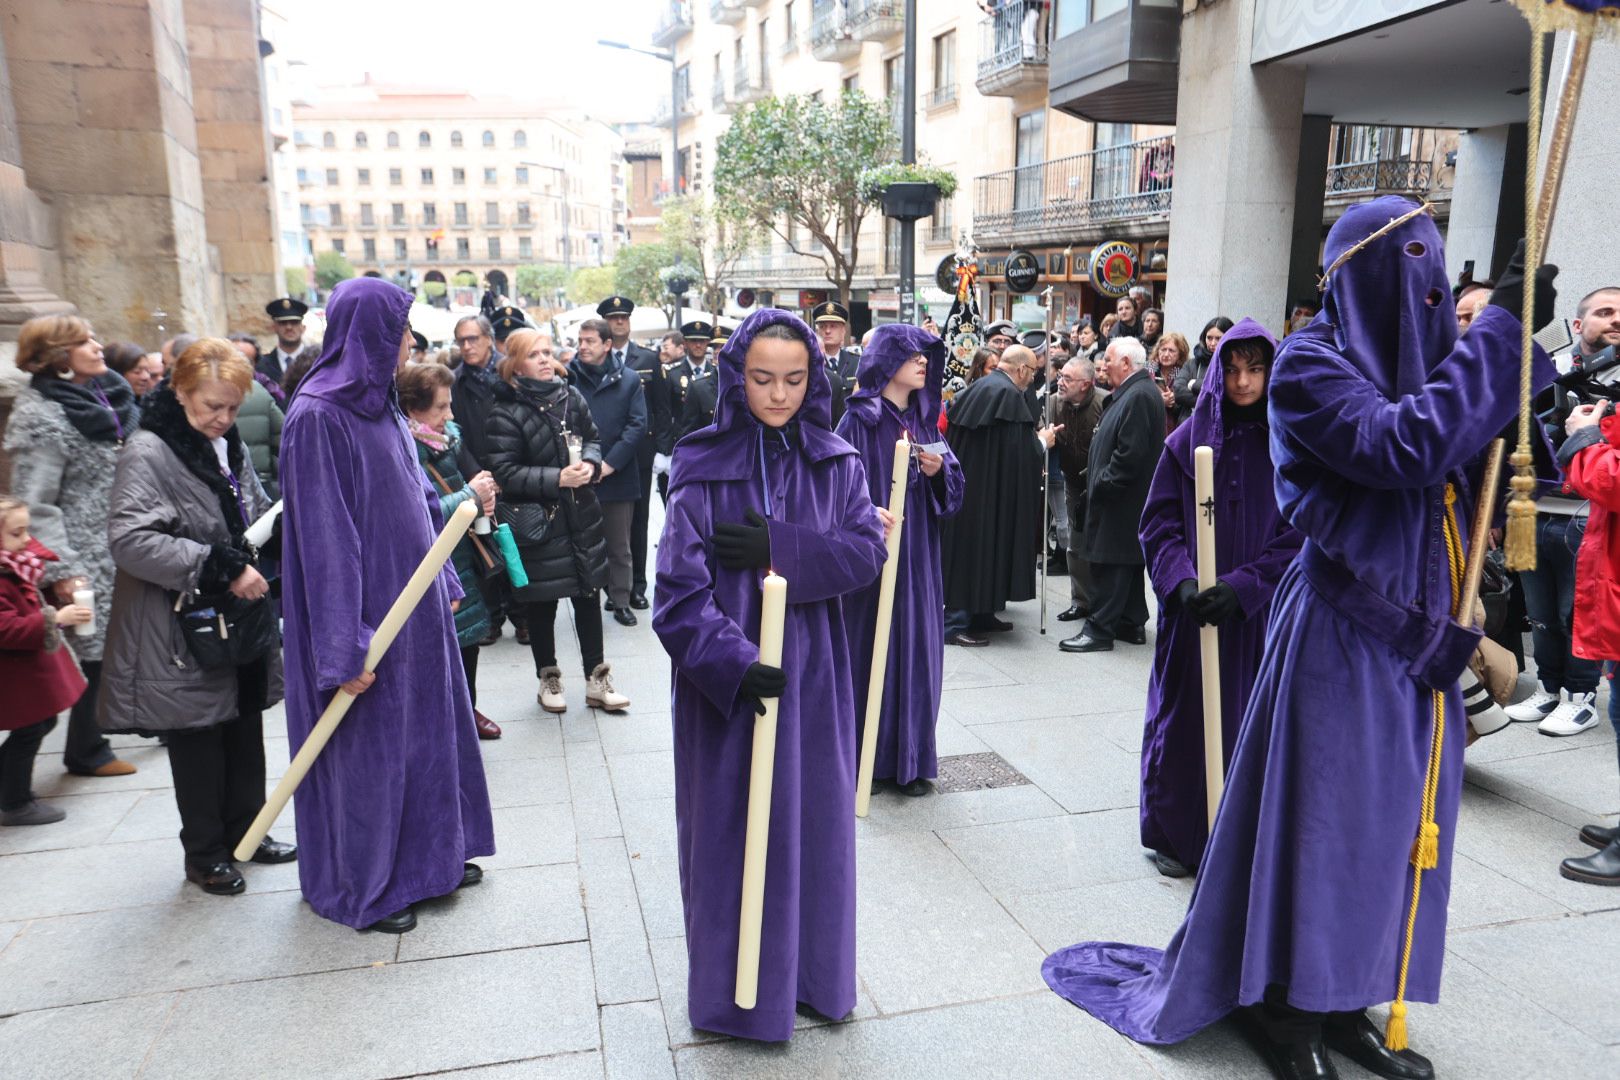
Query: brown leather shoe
(115, 767)
(487, 728)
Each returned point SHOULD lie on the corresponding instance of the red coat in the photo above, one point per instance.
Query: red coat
(1594, 474)
(38, 684)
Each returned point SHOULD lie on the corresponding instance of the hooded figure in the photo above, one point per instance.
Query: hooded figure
(873, 424)
(1377, 412)
(805, 492)
(1253, 546)
(396, 803)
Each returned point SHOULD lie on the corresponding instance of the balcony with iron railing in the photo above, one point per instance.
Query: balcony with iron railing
(790, 43)
(751, 83)
(717, 98)
(1013, 52)
(939, 96)
(1391, 176)
(1057, 199)
(876, 20)
(674, 22)
(830, 39)
(1370, 159)
(661, 116)
(727, 11)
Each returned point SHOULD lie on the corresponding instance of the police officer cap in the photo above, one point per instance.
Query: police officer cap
(418, 340)
(508, 319)
(286, 309)
(831, 311)
(615, 305)
(1002, 326)
(1035, 339)
(721, 334)
(697, 331)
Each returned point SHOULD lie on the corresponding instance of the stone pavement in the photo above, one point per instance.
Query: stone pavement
(568, 961)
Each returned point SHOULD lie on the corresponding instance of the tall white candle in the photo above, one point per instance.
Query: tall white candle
(880, 640)
(86, 598)
(1209, 642)
(772, 616)
(258, 532)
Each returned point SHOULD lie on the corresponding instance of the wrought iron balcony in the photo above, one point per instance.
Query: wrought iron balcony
(940, 96)
(751, 85)
(876, 20)
(1392, 176)
(674, 22)
(830, 38)
(1091, 191)
(1012, 54)
(790, 43)
(726, 11)
(721, 103)
(661, 117)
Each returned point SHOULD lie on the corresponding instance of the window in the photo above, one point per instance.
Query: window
(363, 177)
(455, 139)
(303, 176)
(400, 251)
(432, 250)
(523, 175)
(489, 176)
(461, 213)
(306, 214)
(463, 248)
(488, 138)
(494, 247)
(1112, 171)
(430, 213)
(337, 245)
(427, 177)
(458, 176)
(393, 140)
(396, 212)
(523, 213)
(944, 61)
(520, 138)
(396, 177)
(790, 24)
(360, 140)
(328, 140)
(366, 218)
(424, 140)
(334, 214)
(1029, 150)
(331, 178)
(525, 247)
(492, 213)
(368, 248)
(852, 82)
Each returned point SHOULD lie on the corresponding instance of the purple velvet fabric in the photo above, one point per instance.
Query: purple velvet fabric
(397, 800)
(1306, 880)
(905, 746)
(1253, 546)
(827, 542)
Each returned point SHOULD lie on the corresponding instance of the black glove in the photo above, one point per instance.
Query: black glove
(1185, 591)
(741, 546)
(1215, 604)
(1509, 291)
(761, 681)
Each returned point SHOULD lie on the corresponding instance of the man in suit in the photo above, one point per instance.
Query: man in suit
(1124, 452)
(679, 379)
(655, 391)
(613, 393)
(831, 321)
(288, 315)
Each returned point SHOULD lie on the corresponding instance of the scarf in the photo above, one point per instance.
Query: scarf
(102, 410)
(436, 441)
(27, 562)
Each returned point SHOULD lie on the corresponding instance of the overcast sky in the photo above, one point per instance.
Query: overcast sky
(527, 48)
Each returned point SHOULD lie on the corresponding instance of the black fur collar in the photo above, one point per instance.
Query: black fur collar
(163, 415)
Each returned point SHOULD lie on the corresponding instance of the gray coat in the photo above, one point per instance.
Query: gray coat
(163, 519)
(65, 479)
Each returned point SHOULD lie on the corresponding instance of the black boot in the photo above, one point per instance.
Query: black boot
(400, 922)
(1359, 1039)
(1600, 869)
(1289, 1039)
(1599, 836)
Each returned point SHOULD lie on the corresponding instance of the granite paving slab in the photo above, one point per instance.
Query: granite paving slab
(109, 1040)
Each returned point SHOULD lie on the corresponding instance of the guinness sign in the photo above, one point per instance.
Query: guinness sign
(1023, 271)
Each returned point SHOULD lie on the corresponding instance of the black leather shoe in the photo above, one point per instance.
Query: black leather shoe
(1600, 869)
(1135, 636)
(400, 922)
(1358, 1038)
(274, 851)
(917, 788)
(1170, 867)
(990, 625)
(965, 640)
(1599, 836)
(221, 879)
(471, 874)
(1057, 564)
(639, 601)
(1288, 1061)
(624, 616)
(609, 605)
(1084, 642)
(1074, 612)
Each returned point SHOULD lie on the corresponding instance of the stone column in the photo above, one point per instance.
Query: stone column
(1237, 155)
(1582, 240)
(1476, 197)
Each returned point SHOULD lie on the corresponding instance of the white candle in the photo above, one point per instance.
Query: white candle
(1209, 642)
(772, 615)
(574, 450)
(258, 532)
(880, 640)
(86, 598)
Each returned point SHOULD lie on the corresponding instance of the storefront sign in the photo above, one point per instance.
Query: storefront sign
(1113, 268)
(1023, 271)
(887, 300)
(945, 275)
(745, 298)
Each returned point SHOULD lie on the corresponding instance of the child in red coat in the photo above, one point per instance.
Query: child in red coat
(39, 676)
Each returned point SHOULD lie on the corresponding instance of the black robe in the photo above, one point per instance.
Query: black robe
(988, 550)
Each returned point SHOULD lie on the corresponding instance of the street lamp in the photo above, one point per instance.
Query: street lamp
(678, 279)
(674, 103)
(568, 244)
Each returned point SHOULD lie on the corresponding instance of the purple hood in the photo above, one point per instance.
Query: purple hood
(892, 346)
(366, 319)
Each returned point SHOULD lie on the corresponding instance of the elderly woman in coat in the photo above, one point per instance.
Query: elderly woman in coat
(184, 494)
(64, 436)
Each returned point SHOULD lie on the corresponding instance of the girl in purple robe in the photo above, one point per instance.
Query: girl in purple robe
(396, 803)
(1253, 546)
(767, 485)
(899, 380)
(1300, 917)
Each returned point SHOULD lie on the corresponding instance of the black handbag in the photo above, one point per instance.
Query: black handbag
(530, 521)
(225, 631)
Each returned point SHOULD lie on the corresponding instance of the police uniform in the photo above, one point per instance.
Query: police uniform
(682, 375)
(273, 362)
(841, 368)
(507, 319)
(655, 391)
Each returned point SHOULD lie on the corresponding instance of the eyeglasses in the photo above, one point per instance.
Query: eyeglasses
(465, 341)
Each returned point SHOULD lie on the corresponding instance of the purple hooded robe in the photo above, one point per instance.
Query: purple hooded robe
(872, 425)
(827, 541)
(1253, 546)
(396, 802)
(1306, 880)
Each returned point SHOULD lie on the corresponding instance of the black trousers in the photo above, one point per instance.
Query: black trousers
(17, 755)
(469, 665)
(87, 748)
(543, 631)
(1283, 1023)
(638, 532)
(1118, 601)
(218, 785)
(1080, 589)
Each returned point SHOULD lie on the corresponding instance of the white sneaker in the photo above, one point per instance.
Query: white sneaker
(599, 691)
(1538, 706)
(1572, 717)
(551, 693)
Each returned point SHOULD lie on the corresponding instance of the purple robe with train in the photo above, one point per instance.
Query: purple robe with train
(827, 541)
(396, 802)
(1253, 546)
(872, 425)
(1306, 880)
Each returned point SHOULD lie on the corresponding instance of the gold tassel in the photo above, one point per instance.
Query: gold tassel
(1395, 1030)
(1520, 544)
(1426, 848)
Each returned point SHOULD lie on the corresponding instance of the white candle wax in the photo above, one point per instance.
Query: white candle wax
(772, 616)
(880, 640)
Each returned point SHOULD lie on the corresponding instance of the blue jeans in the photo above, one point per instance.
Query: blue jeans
(1549, 599)
(956, 621)
(1610, 667)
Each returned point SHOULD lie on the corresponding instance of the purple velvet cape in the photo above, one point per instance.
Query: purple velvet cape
(1305, 881)
(905, 742)
(1253, 546)
(397, 801)
(827, 541)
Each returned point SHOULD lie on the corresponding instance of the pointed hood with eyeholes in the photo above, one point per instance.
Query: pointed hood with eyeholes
(891, 347)
(366, 319)
(1389, 307)
(1206, 426)
(727, 448)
